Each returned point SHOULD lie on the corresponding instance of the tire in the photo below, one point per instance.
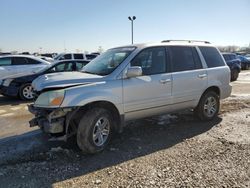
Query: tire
(208, 107)
(89, 131)
(234, 75)
(26, 92)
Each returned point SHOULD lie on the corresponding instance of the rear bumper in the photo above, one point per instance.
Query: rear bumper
(49, 120)
(10, 91)
(226, 91)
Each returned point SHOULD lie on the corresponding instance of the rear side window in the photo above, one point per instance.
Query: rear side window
(32, 61)
(5, 61)
(212, 57)
(91, 56)
(19, 61)
(66, 56)
(184, 58)
(78, 56)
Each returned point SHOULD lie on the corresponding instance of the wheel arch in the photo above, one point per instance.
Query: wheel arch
(75, 116)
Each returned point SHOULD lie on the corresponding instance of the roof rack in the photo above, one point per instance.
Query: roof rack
(189, 41)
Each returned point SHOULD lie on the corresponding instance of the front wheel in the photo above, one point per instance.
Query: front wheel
(26, 92)
(95, 130)
(208, 106)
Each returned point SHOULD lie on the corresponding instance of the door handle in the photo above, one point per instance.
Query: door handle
(202, 75)
(164, 81)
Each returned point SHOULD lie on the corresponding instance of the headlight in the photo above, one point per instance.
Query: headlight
(7, 82)
(50, 98)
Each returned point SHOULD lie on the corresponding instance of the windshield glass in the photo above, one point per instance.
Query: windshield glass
(108, 61)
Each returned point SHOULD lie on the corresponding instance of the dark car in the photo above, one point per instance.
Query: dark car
(234, 64)
(20, 85)
(245, 63)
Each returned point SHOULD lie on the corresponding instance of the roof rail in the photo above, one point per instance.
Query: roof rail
(189, 41)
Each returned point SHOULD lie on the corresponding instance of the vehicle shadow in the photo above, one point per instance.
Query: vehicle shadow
(140, 138)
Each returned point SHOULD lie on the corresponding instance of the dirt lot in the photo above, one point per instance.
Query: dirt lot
(167, 151)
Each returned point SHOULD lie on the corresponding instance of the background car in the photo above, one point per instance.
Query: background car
(91, 56)
(247, 56)
(15, 64)
(69, 56)
(234, 64)
(245, 63)
(20, 86)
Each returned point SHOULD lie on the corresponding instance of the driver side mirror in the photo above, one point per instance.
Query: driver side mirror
(134, 71)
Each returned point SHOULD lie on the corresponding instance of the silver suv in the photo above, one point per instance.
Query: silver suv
(128, 83)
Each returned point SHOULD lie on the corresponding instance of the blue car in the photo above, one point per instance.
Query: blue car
(245, 63)
(20, 85)
(234, 64)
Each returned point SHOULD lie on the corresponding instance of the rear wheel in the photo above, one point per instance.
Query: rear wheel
(208, 106)
(95, 130)
(26, 92)
(234, 74)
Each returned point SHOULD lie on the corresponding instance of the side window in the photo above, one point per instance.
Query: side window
(184, 58)
(78, 56)
(5, 61)
(80, 65)
(19, 61)
(67, 56)
(212, 57)
(233, 57)
(32, 61)
(60, 67)
(151, 60)
(69, 67)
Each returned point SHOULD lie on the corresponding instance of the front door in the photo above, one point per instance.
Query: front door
(152, 90)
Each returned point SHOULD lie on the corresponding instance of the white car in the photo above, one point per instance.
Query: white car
(70, 56)
(20, 64)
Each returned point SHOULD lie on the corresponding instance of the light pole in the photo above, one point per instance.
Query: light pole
(132, 26)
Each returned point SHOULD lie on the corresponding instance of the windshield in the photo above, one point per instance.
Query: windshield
(108, 61)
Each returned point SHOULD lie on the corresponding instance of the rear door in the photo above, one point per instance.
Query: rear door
(189, 76)
(5, 67)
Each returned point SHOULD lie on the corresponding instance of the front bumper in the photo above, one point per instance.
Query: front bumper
(10, 90)
(49, 120)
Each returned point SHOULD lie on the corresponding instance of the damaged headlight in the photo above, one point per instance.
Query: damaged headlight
(50, 98)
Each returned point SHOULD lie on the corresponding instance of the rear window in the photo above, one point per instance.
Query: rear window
(212, 57)
(32, 61)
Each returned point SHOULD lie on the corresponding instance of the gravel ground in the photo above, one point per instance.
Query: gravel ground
(165, 151)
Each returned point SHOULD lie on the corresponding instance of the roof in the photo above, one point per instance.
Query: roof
(27, 56)
(170, 43)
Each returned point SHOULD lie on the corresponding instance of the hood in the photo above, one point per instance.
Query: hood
(63, 80)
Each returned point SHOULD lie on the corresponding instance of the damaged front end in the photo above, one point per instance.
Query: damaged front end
(50, 117)
(55, 121)
(49, 120)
